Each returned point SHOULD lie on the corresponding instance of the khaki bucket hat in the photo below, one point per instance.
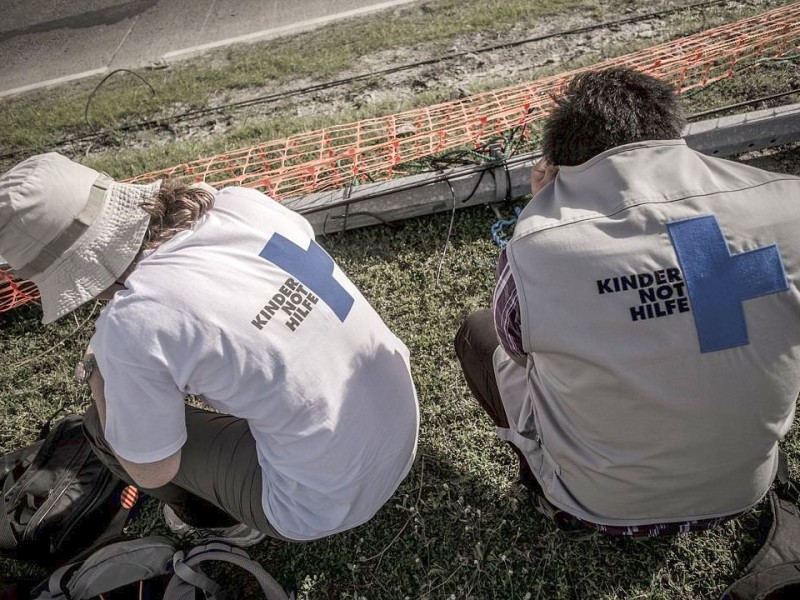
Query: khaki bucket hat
(70, 229)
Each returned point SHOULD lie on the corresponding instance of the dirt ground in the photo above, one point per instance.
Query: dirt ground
(466, 67)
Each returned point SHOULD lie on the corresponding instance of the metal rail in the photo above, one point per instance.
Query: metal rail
(428, 193)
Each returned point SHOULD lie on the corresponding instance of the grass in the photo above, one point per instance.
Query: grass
(35, 121)
(459, 526)
(122, 161)
(32, 120)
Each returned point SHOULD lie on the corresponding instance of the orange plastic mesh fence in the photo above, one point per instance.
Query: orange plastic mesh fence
(340, 155)
(15, 292)
(376, 148)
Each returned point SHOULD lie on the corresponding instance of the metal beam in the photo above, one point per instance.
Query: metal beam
(736, 134)
(428, 193)
(414, 196)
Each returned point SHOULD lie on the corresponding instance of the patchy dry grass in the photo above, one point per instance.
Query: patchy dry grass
(35, 121)
(459, 526)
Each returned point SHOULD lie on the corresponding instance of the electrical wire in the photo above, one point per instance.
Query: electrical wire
(482, 163)
(449, 230)
(99, 85)
(439, 177)
(455, 158)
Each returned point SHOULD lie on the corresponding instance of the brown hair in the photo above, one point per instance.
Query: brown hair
(604, 109)
(176, 207)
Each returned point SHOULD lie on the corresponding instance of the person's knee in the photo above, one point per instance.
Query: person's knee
(460, 340)
(476, 326)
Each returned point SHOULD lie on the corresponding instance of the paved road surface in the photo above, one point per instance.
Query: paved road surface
(43, 42)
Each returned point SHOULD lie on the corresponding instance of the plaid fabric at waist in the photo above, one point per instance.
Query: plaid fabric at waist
(657, 529)
(574, 525)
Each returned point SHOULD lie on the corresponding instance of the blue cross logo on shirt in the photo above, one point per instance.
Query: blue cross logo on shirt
(718, 282)
(313, 268)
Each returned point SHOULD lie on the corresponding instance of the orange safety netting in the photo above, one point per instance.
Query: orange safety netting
(15, 292)
(376, 148)
(373, 148)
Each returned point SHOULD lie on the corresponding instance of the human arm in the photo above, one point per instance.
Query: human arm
(505, 301)
(506, 310)
(146, 475)
(542, 174)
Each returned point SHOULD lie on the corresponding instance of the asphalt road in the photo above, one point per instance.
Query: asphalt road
(44, 42)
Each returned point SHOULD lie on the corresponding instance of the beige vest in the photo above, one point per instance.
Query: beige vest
(661, 316)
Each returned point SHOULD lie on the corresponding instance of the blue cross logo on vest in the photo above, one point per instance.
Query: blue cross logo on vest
(313, 268)
(718, 282)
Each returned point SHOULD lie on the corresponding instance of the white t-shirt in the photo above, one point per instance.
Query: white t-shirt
(248, 312)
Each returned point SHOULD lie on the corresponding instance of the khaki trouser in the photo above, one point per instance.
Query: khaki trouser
(219, 481)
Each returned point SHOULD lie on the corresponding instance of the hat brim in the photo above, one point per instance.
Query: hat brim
(100, 255)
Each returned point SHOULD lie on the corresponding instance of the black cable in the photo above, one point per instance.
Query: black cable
(438, 178)
(366, 213)
(339, 82)
(449, 229)
(477, 185)
(99, 85)
(715, 111)
(489, 165)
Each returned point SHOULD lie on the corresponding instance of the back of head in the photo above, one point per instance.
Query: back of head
(174, 208)
(604, 109)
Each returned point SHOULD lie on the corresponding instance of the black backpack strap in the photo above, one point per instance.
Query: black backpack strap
(45, 428)
(776, 566)
(211, 589)
(129, 497)
(758, 586)
(785, 486)
(11, 463)
(7, 537)
(53, 587)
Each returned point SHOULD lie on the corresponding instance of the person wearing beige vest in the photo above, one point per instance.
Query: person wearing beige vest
(643, 354)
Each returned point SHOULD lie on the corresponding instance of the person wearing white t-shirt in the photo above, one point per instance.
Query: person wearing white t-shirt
(226, 297)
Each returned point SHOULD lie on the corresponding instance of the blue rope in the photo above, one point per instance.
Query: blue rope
(499, 225)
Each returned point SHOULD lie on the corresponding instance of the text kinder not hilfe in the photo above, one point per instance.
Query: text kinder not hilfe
(293, 300)
(660, 293)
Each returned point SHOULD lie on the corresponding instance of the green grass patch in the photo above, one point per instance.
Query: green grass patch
(459, 526)
(32, 122)
(127, 154)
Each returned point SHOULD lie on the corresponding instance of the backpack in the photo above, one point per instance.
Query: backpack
(58, 498)
(774, 572)
(152, 567)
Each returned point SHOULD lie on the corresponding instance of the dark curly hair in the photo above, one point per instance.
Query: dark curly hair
(604, 109)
